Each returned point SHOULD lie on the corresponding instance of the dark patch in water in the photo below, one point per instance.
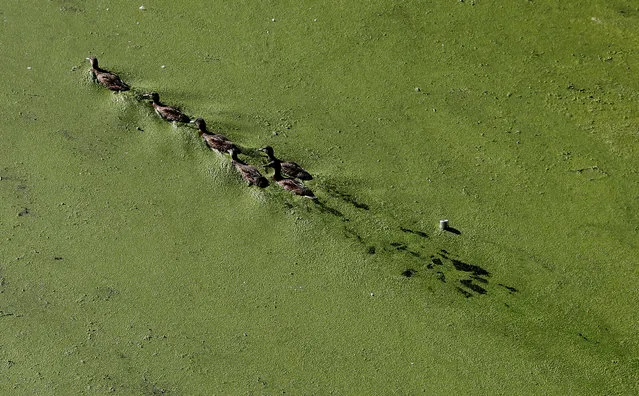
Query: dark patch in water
(587, 339)
(419, 233)
(333, 191)
(510, 289)
(408, 272)
(371, 250)
(327, 209)
(465, 267)
(352, 234)
(402, 247)
(470, 285)
(477, 278)
(359, 205)
(453, 230)
(436, 261)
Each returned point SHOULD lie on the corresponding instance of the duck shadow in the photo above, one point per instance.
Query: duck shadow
(323, 208)
(415, 232)
(335, 192)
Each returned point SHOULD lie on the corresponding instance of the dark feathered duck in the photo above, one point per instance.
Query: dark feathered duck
(292, 185)
(106, 78)
(215, 141)
(290, 169)
(248, 172)
(168, 113)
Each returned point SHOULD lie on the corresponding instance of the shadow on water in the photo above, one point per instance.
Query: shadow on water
(453, 230)
(468, 283)
(418, 233)
(441, 263)
(350, 233)
(408, 272)
(477, 278)
(474, 278)
(509, 288)
(336, 193)
(468, 279)
(329, 210)
(465, 267)
(404, 248)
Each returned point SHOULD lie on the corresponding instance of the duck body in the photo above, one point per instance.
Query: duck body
(215, 141)
(288, 168)
(292, 185)
(248, 172)
(168, 113)
(106, 78)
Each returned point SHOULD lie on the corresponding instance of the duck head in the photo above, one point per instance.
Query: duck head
(94, 61)
(233, 151)
(200, 124)
(268, 150)
(154, 96)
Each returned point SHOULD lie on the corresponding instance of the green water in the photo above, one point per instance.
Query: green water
(134, 260)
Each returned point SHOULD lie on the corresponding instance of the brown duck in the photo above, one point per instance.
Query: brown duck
(168, 113)
(215, 141)
(292, 185)
(248, 172)
(106, 78)
(291, 169)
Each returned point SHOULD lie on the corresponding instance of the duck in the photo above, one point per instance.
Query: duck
(291, 169)
(248, 172)
(215, 141)
(292, 185)
(106, 78)
(168, 113)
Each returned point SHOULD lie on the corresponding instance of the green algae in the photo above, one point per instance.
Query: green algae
(135, 261)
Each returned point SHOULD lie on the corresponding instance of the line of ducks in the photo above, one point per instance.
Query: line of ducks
(286, 174)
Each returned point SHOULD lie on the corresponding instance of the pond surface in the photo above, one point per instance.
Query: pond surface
(135, 260)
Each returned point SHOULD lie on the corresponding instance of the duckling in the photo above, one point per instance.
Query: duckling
(292, 185)
(291, 169)
(215, 141)
(248, 172)
(168, 113)
(106, 78)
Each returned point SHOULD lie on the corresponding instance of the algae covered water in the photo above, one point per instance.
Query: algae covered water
(135, 260)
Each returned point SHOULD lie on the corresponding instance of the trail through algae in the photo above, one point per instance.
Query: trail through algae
(135, 261)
